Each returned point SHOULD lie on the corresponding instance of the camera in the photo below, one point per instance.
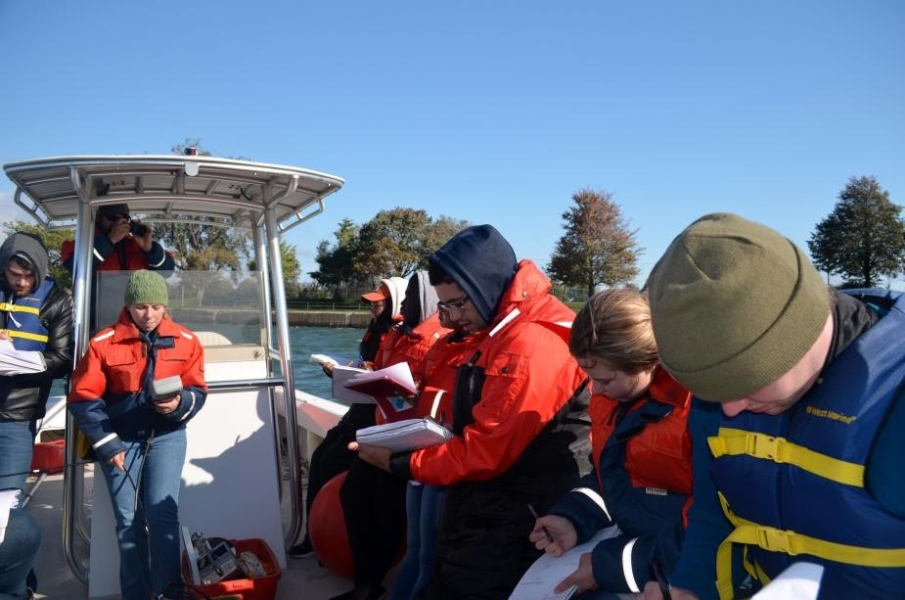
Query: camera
(138, 229)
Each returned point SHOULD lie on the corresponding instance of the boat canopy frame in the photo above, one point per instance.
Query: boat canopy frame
(67, 191)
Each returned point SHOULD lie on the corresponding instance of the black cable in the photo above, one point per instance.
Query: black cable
(187, 587)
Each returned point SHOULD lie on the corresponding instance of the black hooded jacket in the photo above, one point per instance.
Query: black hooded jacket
(23, 397)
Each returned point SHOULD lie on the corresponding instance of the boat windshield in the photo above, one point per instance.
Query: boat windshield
(227, 306)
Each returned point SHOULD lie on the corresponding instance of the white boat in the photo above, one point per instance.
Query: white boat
(242, 478)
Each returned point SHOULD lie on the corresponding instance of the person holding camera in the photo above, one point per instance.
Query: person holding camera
(132, 393)
(121, 244)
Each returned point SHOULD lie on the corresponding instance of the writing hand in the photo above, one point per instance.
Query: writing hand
(562, 534)
(583, 577)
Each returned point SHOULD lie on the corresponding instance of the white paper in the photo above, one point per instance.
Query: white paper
(323, 359)
(19, 362)
(409, 434)
(8, 499)
(547, 571)
(343, 374)
(800, 581)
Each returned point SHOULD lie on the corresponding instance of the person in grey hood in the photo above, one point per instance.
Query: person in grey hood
(35, 317)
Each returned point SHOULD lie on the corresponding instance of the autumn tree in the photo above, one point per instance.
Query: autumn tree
(397, 242)
(598, 248)
(863, 238)
(53, 239)
(439, 233)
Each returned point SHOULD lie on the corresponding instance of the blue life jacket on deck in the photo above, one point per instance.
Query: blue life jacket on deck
(793, 484)
(22, 318)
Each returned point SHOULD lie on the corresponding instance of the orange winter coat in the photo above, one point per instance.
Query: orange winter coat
(528, 376)
(411, 347)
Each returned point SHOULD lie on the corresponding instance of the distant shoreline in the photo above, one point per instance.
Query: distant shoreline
(297, 318)
(313, 318)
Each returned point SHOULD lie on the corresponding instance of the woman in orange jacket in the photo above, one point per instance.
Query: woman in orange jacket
(136, 426)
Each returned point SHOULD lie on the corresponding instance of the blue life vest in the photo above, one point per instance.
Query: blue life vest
(793, 484)
(22, 318)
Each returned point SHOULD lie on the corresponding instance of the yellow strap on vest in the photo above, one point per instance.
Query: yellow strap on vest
(27, 336)
(791, 543)
(9, 307)
(735, 442)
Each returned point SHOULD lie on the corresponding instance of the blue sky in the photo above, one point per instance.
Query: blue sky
(493, 112)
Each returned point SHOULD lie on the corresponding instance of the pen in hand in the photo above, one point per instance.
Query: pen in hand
(657, 570)
(542, 527)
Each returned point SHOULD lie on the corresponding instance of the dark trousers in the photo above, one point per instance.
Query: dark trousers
(374, 508)
(332, 456)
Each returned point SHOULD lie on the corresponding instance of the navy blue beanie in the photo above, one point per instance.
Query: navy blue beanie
(482, 263)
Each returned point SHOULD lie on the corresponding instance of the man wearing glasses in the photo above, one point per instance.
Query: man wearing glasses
(121, 244)
(516, 407)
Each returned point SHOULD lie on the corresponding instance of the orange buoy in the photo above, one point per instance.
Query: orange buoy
(327, 529)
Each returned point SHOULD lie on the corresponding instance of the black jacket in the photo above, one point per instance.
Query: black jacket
(24, 397)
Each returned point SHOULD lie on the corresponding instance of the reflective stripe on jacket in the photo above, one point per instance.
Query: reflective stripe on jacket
(109, 397)
(641, 483)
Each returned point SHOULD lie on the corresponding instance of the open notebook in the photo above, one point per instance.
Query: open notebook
(547, 571)
(392, 388)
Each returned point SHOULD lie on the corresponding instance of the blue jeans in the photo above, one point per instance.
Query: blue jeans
(17, 442)
(17, 553)
(422, 505)
(149, 558)
(23, 537)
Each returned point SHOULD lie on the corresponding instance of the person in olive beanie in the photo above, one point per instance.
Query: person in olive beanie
(797, 405)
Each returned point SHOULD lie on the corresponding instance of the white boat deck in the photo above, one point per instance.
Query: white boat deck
(302, 578)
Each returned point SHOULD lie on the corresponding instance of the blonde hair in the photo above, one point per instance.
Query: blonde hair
(614, 327)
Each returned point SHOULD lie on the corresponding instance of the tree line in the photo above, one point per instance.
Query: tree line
(860, 242)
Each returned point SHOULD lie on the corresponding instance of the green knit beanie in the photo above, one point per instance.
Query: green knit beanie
(734, 306)
(146, 287)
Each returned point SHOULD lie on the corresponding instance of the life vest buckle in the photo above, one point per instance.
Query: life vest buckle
(776, 540)
(763, 446)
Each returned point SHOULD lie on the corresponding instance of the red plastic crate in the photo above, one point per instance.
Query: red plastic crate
(49, 457)
(260, 588)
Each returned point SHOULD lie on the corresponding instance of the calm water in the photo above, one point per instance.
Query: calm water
(340, 343)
